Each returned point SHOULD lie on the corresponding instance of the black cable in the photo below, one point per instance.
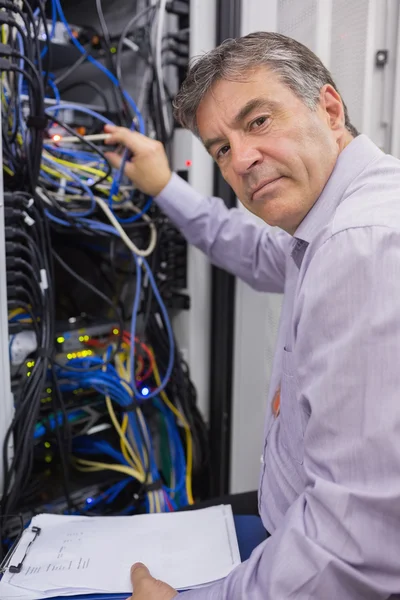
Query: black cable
(105, 298)
(71, 69)
(135, 19)
(28, 405)
(48, 42)
(33, 149)
(92, 84)
(63, 454)
(111, 64)
(91, 146)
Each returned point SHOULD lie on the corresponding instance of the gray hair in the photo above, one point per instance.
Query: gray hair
(297, 66)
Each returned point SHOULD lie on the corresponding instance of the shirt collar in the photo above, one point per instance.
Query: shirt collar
(350, 163)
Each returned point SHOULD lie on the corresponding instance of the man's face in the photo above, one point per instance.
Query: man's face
(275, 152)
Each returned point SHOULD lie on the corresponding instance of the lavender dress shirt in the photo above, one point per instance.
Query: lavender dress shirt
(330, 479)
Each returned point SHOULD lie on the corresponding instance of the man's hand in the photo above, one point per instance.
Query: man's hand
(148, 168)
(145, 587)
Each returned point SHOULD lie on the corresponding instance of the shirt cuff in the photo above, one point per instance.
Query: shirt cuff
(210, 592)
(179, 201)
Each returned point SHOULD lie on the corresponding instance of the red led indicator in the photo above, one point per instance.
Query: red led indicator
(188, 163)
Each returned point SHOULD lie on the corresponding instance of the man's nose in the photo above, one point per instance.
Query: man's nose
(244, 157)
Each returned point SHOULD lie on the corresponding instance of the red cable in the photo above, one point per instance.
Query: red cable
(127, 339)
(167, 500)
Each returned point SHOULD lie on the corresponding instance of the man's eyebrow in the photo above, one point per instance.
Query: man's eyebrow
(211, 141)
(244, 112)
(251, 105)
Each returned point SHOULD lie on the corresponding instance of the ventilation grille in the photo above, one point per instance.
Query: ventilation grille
(298, 19)
(348, 46)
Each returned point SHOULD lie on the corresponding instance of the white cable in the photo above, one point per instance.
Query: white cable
(130, 44)
(111, 217)
(42, 195)
(103, 23)
(75, 139)
(114, 221)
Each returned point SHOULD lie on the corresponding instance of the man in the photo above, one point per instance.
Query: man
(270, 115)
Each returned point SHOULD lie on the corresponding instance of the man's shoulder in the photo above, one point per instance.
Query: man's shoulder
(372, 199)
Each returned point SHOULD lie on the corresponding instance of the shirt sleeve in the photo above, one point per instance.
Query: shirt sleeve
(340, 538)
(230, 238)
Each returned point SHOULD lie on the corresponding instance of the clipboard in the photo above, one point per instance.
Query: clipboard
(73, 540)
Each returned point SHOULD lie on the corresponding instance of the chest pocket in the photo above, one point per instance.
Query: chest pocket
(290, 412)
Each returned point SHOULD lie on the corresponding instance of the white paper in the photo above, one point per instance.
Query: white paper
(83, 555)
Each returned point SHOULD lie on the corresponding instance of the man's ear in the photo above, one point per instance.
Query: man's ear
(332, 107)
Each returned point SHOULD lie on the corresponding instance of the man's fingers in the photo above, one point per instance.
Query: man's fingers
(132, 140)
(139, 574)
(114, 159)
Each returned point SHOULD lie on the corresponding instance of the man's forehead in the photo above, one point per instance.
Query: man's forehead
(260, 86)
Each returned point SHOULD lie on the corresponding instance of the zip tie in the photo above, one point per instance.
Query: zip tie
(44, 284)
(28, 219)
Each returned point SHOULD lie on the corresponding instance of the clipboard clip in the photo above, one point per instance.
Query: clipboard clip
(5, 565)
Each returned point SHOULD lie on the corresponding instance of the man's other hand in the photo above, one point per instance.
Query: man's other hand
(145, 587)
(148, 168)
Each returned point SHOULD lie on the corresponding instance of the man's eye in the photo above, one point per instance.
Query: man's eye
(258, 122)
(222, 151)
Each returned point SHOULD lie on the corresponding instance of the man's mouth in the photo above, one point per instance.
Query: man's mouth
(263, 186)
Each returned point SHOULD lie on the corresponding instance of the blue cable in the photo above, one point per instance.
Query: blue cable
(78, 154)
(137, 216)
(80, 183)
(168, 327)
(57, 220)
(102, 68)
(180, 464)
(77, 107)
(118, 178)
(56, 92)
(56, 182)
(19, 317)
(53, 26)
(20, 79)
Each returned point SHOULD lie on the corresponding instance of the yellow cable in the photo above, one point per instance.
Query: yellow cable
(8, 170)
(77, 166)
(157, 500)
(123, 374)
(55, 173)
(124, 427)
(151, 502)
(15, 312)
(3, 41)
(133, 460)
(112, 467)
(189, 442)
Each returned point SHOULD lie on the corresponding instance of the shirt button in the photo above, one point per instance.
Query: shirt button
(262, 459)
